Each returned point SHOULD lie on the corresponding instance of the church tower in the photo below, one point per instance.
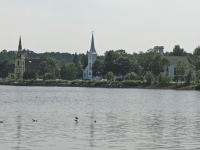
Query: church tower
(19, 62)
(92, 55)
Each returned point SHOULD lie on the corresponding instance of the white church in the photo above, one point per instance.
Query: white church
(92, 56)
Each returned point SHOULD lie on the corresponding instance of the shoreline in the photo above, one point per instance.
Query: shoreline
(106, 85)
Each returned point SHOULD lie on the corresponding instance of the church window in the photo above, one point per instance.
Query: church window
(90, 67)
(90, 73)
(18, 63)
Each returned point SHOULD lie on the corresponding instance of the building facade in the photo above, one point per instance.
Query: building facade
(17, 70)
(92, 56)
(21, 65)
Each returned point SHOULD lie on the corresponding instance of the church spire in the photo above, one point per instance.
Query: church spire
(20, 53)
(92, 49)
(20, 44)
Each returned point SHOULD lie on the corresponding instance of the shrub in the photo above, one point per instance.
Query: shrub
(132, 82)
(163, 78)
(198, 76)
(48, 76)
(131, 76)
(149, 77)
(189, 77)
(110, 76)
(99, 83)
(11, 80)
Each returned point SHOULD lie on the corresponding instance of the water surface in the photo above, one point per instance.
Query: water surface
(126, 118)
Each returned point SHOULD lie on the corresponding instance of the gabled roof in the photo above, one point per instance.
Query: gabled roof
(174, 59)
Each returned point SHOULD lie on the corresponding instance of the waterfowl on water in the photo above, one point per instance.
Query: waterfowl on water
(76, 118)
(1, 121)
(34, 120)
(95, 121)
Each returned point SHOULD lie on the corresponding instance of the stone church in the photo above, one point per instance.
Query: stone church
(92, 56)
(21, 65)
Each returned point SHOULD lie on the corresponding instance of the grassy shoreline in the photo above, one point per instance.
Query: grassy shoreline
(105, 84)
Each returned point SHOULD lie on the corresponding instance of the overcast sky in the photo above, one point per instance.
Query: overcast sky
(67, 25)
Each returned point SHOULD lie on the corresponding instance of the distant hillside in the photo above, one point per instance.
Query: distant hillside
(60, 57)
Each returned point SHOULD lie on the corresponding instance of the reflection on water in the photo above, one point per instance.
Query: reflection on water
(19, 126)
(126, 118)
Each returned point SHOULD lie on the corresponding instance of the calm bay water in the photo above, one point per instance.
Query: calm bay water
(126, 118)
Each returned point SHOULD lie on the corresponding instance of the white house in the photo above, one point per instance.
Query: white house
(92, 55)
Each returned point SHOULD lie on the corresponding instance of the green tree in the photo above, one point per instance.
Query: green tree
(110, 76)
(197, 51)
(198, 76)
(121, 66)
(197, 63)
(50, 68)
(110, 57)
(189, 76)
(165, 63)
(75, 60)
(180, 69)
(84, 60)
(4, 65)
(78, 66)
(155, 65)
(145, 61)
(163, 78)
(98, 67)
(149, 77)
(68, 71)
(177, 51)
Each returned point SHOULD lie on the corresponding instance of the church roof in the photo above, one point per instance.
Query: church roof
(92, 48)
(32, 64)
(174, 59)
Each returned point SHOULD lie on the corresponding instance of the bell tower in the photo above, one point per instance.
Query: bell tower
(19, 62)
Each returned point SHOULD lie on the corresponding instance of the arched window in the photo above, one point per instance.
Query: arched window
(18, 63)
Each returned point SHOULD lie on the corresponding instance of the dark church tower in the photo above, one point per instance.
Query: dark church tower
(19, 62)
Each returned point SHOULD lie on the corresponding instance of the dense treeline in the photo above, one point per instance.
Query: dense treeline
(148, 66)
(60, 57)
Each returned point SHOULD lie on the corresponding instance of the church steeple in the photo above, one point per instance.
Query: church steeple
(20, 53)
(92, 49)
(20, 44)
